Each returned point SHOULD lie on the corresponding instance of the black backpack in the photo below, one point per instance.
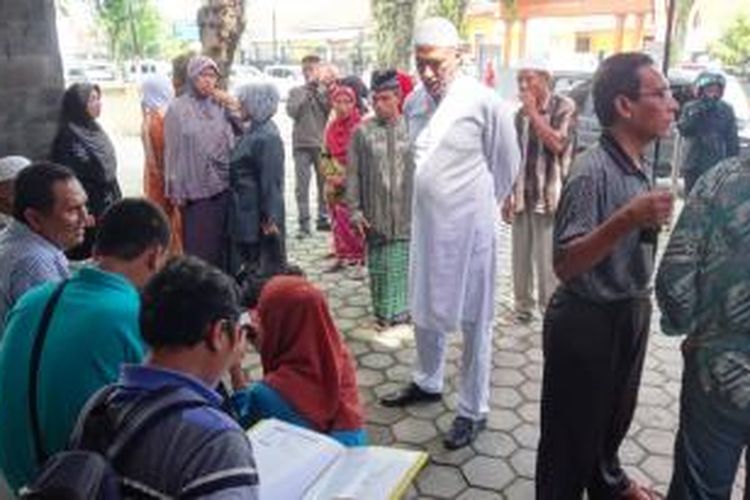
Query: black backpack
(88, 470)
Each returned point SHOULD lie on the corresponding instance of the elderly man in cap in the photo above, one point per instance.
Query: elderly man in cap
(10, 166)
(466, 157)
(544, 125)
(379, 191)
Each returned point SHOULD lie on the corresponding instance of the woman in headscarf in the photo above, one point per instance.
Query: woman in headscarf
(82, 145)
(198, 137)
(348, 244)
(256, 180)
(308, 372)
(156, 93)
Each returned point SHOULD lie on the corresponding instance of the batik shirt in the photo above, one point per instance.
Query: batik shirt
(542, 172)
(703, 283)
(380, 177)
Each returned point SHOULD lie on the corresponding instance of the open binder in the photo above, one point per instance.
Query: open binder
(298, 464)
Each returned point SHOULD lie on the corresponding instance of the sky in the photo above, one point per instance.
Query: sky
(291, 15)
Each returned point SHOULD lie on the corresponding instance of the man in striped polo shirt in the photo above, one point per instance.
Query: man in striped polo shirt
(597, 323)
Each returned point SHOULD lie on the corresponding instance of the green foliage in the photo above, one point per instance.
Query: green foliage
(733, 48)
(134, 28)
(453, 10)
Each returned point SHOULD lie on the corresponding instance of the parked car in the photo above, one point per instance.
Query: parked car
(243, 74)
(285, 77)
(588, 128)
(101, 72)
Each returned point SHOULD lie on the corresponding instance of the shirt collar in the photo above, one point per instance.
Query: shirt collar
(623, 160)
(152, 377)
(20, 229)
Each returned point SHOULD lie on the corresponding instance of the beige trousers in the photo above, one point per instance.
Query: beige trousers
(532, 256)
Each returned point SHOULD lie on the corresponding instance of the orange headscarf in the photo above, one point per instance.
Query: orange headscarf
(304, 357)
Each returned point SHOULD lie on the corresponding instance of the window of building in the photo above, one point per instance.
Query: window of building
(583, 44)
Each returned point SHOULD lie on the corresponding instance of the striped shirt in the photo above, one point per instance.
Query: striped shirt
(27, 259)
(703, 283)
(603, 179)
(196, 453)
(542, 172)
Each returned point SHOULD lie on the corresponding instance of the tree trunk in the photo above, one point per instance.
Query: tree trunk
(394, 27)
(31, 77)
(221, 25)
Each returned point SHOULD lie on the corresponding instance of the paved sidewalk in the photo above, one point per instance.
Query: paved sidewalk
(500, 464)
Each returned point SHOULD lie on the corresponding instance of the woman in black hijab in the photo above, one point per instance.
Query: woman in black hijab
(82, 145)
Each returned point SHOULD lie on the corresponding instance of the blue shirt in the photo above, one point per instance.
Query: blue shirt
(198, 451)
(259, 401)
(93, 330)
(27, 259)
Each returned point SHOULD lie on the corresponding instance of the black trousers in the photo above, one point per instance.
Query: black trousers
(593, 359)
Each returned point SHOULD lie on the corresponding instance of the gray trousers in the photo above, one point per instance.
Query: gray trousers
(532, 255)
(307, 164)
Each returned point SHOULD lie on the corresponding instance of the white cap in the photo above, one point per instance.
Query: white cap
(436, 32)
(535, 64)
(11, 165)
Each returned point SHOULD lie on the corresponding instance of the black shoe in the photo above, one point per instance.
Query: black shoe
(462, 432)
(303, 233)
(323, 225)
(410, 394)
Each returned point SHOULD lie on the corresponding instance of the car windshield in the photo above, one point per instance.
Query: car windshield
(735, 95)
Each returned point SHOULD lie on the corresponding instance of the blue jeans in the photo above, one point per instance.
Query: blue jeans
(711, 437)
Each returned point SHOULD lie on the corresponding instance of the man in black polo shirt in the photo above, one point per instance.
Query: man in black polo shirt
(596, 325)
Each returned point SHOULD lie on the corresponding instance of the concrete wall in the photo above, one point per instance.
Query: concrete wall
(31, 80)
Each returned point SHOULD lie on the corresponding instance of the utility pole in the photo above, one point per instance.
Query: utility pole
(274, 34)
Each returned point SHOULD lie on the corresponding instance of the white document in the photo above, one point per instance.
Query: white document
(299, 464)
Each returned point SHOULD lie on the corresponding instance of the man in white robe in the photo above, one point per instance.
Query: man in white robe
(466, 155)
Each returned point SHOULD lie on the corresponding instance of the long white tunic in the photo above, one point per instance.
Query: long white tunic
(467, 158)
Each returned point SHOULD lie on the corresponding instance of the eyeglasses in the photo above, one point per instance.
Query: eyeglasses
(663, 94)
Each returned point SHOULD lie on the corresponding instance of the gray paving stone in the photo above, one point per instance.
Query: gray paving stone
(656, 441)
(506, 377)
(655, 396)
(414, 431)
(505, 397)
(658, 468)
(529, 412)
(441, 481)
(487, 472)
(376, 361)
(521, 489)
(440, 455)
(631, 453)
(523, 462)
(407, 356)
(654, 416)
(510, 360)
(369, 378)
(531, 390)
(533, 371)
(479, 494)
(494, 444)
(384, 416)
(502, 420)
(527, 435)
(427, 411)
(399, 373)
(379, 434)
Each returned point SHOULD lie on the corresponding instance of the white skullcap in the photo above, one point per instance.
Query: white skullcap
(535, 64)
(436, 32)
(11, 165)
